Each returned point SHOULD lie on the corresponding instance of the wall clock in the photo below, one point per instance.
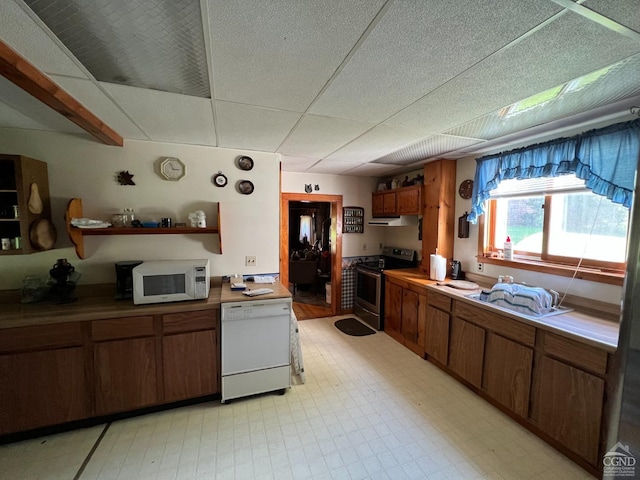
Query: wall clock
(219, 179)
(466, 189)
(172, 168)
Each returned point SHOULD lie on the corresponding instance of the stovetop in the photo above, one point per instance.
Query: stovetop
(392, 259)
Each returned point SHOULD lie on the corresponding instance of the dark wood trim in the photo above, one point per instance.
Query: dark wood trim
(25, 75)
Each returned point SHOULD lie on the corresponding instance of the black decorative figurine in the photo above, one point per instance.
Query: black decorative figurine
(60, 291)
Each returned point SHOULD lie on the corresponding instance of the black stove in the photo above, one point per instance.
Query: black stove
(369, 288)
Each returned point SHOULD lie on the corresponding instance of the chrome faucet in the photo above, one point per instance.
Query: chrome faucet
(555, 298)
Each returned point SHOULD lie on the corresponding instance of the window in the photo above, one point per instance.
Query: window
(556, 221)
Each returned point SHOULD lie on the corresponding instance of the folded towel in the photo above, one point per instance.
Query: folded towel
(527, 300)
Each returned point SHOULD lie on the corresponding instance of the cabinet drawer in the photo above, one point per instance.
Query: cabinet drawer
(190, 321)
(122, 328)
(505, 326)
(40, 337)
(440, 301)
(578, 354)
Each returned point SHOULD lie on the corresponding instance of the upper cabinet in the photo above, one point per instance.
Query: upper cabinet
(25, 210)
(401, 201)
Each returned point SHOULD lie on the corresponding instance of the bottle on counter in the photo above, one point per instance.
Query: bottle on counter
(508, 249)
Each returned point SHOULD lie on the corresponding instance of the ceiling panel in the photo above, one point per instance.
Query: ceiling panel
(331, 167)
(296, 164)
(27, 37)
(93, 98)
(43, 118)
(280, 54)
(625, 12)
(254, 128)
(376, 143)
(141, 43)
(374, 170)
(418, 46)
(434, 146)
(603, 87)
(167, 117)
(317, 137)
(547, 58)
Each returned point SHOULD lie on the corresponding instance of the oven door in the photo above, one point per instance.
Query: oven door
(368, 289)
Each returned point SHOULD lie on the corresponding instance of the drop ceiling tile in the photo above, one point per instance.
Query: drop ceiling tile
(376, 143)
(331, 167)
(547, 58)
(296, 164)
(296, 46)
(253, 128)
(317, 137)
(624, 12)
(374, 170)
(98, 103)
(27, 37)
(435, 146)
(11, 118)
(42, 117)
(603, 87)
(167, 117)
(418, 46)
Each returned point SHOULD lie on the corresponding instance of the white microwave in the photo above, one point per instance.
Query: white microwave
(170, 281)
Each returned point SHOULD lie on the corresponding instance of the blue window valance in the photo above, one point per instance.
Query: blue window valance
(606, 158)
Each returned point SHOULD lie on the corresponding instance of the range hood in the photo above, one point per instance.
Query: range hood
(401, 221)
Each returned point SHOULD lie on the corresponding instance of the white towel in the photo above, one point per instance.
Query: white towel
(296, 349)
(521, 298)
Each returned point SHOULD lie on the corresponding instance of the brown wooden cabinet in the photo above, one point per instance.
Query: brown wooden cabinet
(438, 219)
(189, 355)
(507, 373)
(466, 350)
(22, 178)
(42, 373)
(436, 342)
(405, 314)
(401, 201)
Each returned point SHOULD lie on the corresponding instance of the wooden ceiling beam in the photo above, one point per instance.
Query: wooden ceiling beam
(15, 68)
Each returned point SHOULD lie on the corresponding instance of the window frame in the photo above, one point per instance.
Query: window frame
(589, 269)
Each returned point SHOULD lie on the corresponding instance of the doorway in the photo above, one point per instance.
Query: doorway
(311, 252)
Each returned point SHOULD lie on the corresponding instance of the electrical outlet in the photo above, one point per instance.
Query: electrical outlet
(480, 267)
(250, 261)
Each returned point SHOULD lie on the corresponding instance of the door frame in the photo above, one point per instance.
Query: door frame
(335, 235)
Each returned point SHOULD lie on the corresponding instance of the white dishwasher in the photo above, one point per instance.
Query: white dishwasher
(255, 344)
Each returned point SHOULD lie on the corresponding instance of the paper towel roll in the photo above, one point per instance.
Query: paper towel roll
(439, 266)
(432, 267)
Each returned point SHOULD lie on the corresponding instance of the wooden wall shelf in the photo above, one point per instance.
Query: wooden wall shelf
(74, 210)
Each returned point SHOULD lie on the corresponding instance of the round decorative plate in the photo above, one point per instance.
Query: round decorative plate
(245, 163)
(42, 234)
(219, 179)
(245, 187)
(466, 189)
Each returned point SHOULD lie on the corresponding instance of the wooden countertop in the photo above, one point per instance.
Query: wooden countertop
(92, 306)
(279, 291)
(579, 326)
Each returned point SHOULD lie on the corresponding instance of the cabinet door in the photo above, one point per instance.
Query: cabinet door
(377, 204)
(409, 322)
(41, 389)
(125, 375)
(570, 407)
(393, 307)
(190, 365)
(409, 200)
(436, 342)
(466, 350)
(507, 373)
(389, 203)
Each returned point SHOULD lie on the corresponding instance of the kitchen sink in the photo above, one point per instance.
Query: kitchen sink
(482, 298)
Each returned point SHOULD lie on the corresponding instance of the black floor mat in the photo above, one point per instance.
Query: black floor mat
(354, 327)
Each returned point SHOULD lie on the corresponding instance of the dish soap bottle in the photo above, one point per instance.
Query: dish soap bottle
(508, 249)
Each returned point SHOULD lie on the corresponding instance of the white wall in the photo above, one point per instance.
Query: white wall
(356, 192)
(466, 250)
(80, 167)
